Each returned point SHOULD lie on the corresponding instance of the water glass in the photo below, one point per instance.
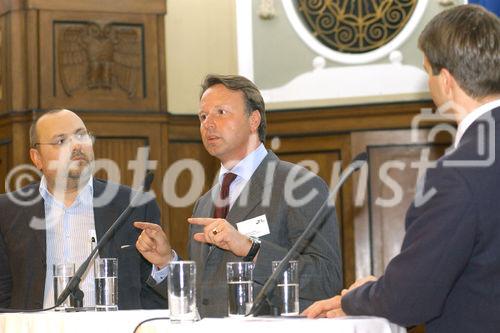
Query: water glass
(62, 274)
(182, 291)
(106, 284)
(287, 288)
(239, 287)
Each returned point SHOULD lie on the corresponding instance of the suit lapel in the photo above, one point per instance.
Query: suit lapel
(250, 197)
(104, 217)
(255, 190)
(37, 223)
(206, 209)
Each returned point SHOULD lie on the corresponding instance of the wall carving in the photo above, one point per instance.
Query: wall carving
(355, 26)
(91, 56)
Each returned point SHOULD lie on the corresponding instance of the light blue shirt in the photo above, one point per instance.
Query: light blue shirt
(68, 238)
(244, 171)
(70, 235)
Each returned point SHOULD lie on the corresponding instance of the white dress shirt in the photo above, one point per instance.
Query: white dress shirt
(473, 116)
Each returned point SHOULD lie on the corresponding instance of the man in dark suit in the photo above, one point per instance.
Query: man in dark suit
(448, 272)
(259, 213)
(60, 218)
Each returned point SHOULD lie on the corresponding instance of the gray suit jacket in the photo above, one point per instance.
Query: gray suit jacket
(320, 269)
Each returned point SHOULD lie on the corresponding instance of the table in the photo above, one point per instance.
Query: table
(126, 321)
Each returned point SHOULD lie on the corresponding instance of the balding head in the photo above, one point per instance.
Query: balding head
(61, 144)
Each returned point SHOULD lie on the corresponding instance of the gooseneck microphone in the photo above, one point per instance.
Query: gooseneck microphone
(72, 288)
(267, 290)
(73, 285)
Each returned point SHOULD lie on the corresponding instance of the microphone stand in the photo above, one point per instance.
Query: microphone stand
(73, 285)
(265, 294)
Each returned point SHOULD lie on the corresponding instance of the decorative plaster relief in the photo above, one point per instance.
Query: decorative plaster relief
(95, 57)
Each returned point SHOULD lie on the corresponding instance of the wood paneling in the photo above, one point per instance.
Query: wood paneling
(3, 66)
(121, 150)
(390, 189)
(99, 61)
(124, 6)
(343, 119)
(4, 163)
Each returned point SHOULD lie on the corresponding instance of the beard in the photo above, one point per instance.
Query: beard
(80, 167)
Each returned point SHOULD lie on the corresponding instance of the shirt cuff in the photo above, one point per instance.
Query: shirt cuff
(161, 274)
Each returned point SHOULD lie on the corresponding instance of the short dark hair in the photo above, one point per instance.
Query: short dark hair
(466, 41)
(33, 130)
(252, 96)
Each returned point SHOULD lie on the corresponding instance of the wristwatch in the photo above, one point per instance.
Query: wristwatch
(253, 250)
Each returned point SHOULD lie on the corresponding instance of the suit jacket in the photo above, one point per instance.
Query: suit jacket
(448, 272)
(23, 250)
(320, 265)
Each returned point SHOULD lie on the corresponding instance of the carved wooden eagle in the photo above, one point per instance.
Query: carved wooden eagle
(99, 58)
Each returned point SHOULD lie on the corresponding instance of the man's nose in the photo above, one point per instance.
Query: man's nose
(209, 122)
(74, 143)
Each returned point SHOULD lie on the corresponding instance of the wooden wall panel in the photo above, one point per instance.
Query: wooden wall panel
(125, 6)
(379, 222)
(99, 61)
(4, 163)
(121, 151)
(3, 66)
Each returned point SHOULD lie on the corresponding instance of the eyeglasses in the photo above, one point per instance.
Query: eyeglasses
(62, 141)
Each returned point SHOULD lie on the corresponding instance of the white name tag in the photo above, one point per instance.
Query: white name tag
(256, 227)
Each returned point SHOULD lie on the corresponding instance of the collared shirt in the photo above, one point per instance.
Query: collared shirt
(473, 116)
(68, 238)
(244, 171)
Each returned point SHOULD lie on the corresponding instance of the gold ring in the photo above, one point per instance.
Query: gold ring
(214, 231)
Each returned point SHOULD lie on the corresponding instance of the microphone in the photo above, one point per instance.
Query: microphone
(268, 288)
(73, 285)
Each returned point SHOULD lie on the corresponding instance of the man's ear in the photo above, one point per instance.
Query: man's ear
(255, 119)
(36, 158)
(447, 83)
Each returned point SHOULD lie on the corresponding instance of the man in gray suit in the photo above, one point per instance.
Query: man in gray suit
(269, 204)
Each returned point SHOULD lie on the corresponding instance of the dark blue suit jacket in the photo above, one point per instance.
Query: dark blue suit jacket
(448, 272)
(23, 251)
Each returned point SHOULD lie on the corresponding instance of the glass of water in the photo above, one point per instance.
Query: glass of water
(62, 274)
(106, 284)
(182, 291)
(239, 287)
(287, 289)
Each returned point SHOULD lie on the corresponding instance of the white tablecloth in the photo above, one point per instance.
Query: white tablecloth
(126, 321)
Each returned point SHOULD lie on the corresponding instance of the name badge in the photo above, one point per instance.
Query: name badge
(255, 227)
